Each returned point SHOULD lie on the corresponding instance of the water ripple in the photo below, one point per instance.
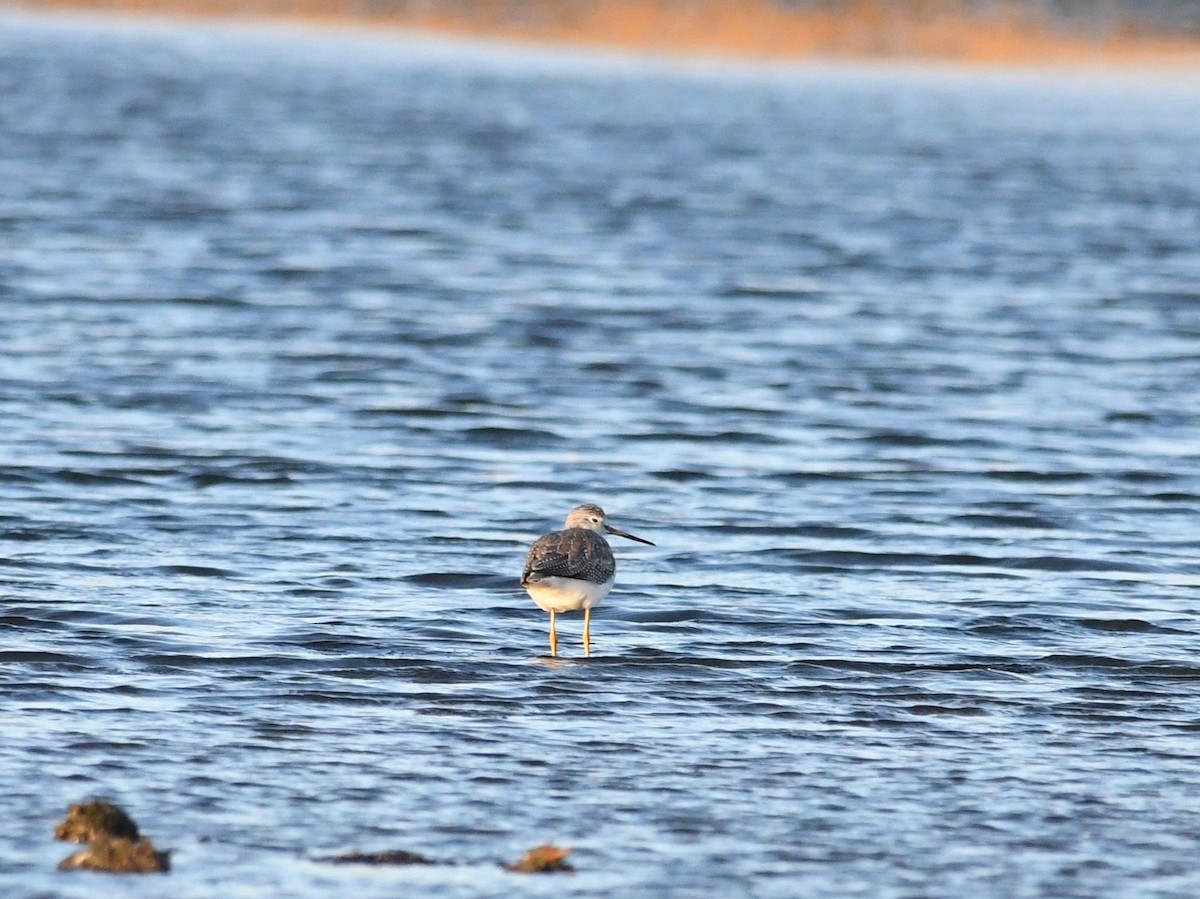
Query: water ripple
(304, 339)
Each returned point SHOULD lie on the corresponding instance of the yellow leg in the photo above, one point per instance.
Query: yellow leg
(553, 636)
(587, 632)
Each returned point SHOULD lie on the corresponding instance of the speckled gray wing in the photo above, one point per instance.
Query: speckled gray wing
(574, 553)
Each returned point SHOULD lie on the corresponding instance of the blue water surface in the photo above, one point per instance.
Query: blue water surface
(304, 338)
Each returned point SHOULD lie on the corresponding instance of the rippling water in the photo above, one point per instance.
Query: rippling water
(303, 340)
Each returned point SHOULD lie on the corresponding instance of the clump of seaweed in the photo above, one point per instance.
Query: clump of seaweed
(118, 855)
(114, 843)
(546, 859)
(87, 821)
(389, 857)
(543, 859)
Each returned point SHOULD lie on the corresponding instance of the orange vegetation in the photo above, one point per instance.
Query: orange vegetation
(545, 859)
(751, 29)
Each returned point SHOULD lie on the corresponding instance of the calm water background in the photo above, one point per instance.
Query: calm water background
(303, 339)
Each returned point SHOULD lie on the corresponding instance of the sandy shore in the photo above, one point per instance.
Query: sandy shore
(924, 30)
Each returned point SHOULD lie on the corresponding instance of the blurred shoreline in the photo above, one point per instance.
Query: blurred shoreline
(1002, 32)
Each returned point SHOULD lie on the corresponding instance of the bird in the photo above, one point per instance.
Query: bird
(573, 568)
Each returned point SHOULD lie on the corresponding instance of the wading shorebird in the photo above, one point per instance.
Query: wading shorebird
(573, 568)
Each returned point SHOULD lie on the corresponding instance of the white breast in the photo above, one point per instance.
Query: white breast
(566, 594)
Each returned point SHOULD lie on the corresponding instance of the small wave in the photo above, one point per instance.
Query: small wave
(217, 478)
(79, 478)
(1024, 522)
(1174, 497)
(683, 475)
(823, 531)
(449, 580)
(802, 478)
(1011, 626)
(188, 402)
(187, 661)
(1147, 477)
(860, 559)
(1043, 477)
(721, 437)
(195, 571)
(1131, 417)
(1143, 669)
(44, 657)
(961, 711)
(989, 665)
(204, 301)
(409, 412)
(33, 534)
(1124, 626)
(1062, 563)
(775, 289)
(511, 438)
(15, 474)
(668, 616)
(904, 438)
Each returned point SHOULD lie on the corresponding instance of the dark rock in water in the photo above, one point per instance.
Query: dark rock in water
(545, 859)
(118, 855)
(93, 819)
(391, 857)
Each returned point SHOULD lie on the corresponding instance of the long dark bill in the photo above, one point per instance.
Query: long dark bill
(619, 533)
